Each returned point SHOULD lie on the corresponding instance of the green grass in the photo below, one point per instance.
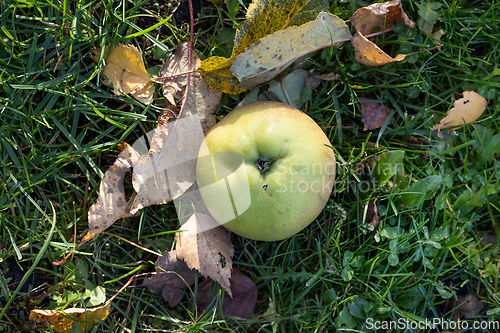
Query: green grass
(60, 127)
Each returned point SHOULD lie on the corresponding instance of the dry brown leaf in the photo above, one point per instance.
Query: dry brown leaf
(201, 99)
(383, 15)
(63, 321)
(169, 168)
(160, 176)
(369, 54)
(124, 67)
(470, 306)
(111, 204)
(170, 278)
(371, 213)
(242, 303)
(374, 114)
(204, 249)
(465, 110)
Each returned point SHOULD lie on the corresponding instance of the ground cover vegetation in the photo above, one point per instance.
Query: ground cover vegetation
(410, 233)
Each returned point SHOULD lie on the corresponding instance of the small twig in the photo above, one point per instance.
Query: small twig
(191, 27)
(432, 48)
(161, 79)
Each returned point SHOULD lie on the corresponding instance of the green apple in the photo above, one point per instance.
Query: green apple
(265, 171)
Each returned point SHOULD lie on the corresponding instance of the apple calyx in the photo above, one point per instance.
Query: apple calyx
(264, 164)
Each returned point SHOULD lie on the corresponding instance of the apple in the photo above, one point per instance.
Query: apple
(265, 171)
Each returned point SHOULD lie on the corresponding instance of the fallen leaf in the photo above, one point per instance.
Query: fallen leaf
(170, 278)
(169, 168)
(487, 238)
(111, 203)
(369, 54)
(369, 213)
(124, 67)
(269, 56)
(163, 174)
(205, 250)
(84, 319)
(242, 302)
(383, 15)
(365, 20)
(201, 99)
(264, 17)
(374, 114)
(470, 307)
(465, 110)
(64, 320)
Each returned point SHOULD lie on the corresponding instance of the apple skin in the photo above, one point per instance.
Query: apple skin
(283, 199)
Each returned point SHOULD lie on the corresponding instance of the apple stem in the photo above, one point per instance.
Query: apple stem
(264, 164)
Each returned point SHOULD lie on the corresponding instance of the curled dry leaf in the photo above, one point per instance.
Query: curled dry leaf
(201, 99)
(272, 54)
(242, 302)
(169, 168)
(170, 278)
(371, 216)
(204, 250)
(374, 114)
(369, 54)
(111, 204)
(383, 15)
(163, 174)
(264, 17)
(365, 20)
(64, 320)
(465, 110)
(124, 67)
(469, 307)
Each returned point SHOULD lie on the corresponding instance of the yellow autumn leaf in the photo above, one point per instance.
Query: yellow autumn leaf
(264, 17)
(63, 320)
(124, 67)
(465, 110)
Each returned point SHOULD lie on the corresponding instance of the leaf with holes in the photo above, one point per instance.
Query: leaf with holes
(271, 55)
(209, 251)
(264, 17)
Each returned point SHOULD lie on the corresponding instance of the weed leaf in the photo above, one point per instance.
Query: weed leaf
(415, 194)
